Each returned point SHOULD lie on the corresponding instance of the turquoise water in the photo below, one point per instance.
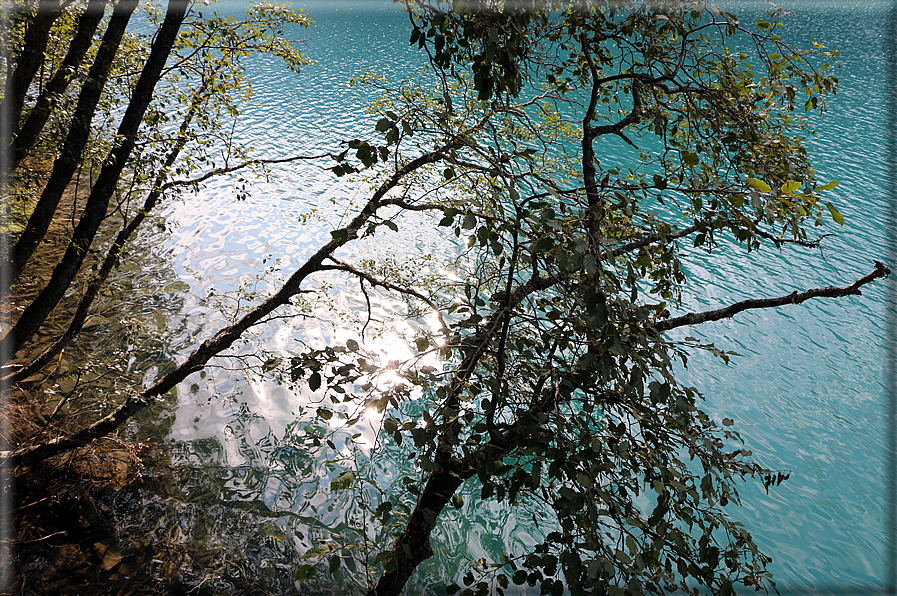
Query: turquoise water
(808, 395)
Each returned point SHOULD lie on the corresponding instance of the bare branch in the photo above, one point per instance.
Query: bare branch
(780, 241)
(794, 298)
(402, 203)
(240, 166)
(343, 266)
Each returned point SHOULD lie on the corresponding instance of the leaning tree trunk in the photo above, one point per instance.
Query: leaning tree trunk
(29, 60)
(413, 546)
(112, 254)
(27, 136)
(75, 141)
(98, 200)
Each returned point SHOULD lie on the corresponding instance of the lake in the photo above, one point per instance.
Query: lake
(810, 392)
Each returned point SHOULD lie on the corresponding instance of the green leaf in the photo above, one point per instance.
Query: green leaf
(829, 186)
(763, 25)
(758, 185)
(314, 381)
(352, 345)
(340, 235)
(728, 422)
(543, 244)
(590, 264)
(303, 572)
(790, 187)
(836, 215)
(334, 564)
(470, 221)
(318, 551)
(342, 482)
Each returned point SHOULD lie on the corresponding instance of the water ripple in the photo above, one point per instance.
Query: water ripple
(807, 395)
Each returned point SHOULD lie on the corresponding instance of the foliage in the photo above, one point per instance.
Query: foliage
(574, 147)
(183, 129)
(75, 111)
(583, 144)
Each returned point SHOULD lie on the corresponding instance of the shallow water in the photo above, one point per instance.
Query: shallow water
(808, 395)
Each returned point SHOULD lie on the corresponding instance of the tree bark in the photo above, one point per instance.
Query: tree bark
(79, 130)
(98, 200)
(37, 117)
(413, 546)
(29, 60)
(75, 325)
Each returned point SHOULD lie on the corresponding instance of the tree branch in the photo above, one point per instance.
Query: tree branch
(240, 166)
(224, 338)
(794, 298)
(112, 254)
(342, 266)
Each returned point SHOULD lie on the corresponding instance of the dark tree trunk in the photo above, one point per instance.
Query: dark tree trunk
(413, 546)
(34, 123)
(29, 60)
(70, 156)
(98, 201)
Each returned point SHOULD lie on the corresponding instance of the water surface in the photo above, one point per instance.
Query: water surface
(808, 394)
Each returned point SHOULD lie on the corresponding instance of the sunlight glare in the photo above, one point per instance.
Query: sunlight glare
(449, 275)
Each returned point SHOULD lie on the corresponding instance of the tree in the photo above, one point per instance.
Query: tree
(554, 382)
(558, 386)
(129, 116)
(207, 53)
(215, 73)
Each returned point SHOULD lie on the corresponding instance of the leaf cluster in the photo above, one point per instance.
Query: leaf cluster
(586, 143)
